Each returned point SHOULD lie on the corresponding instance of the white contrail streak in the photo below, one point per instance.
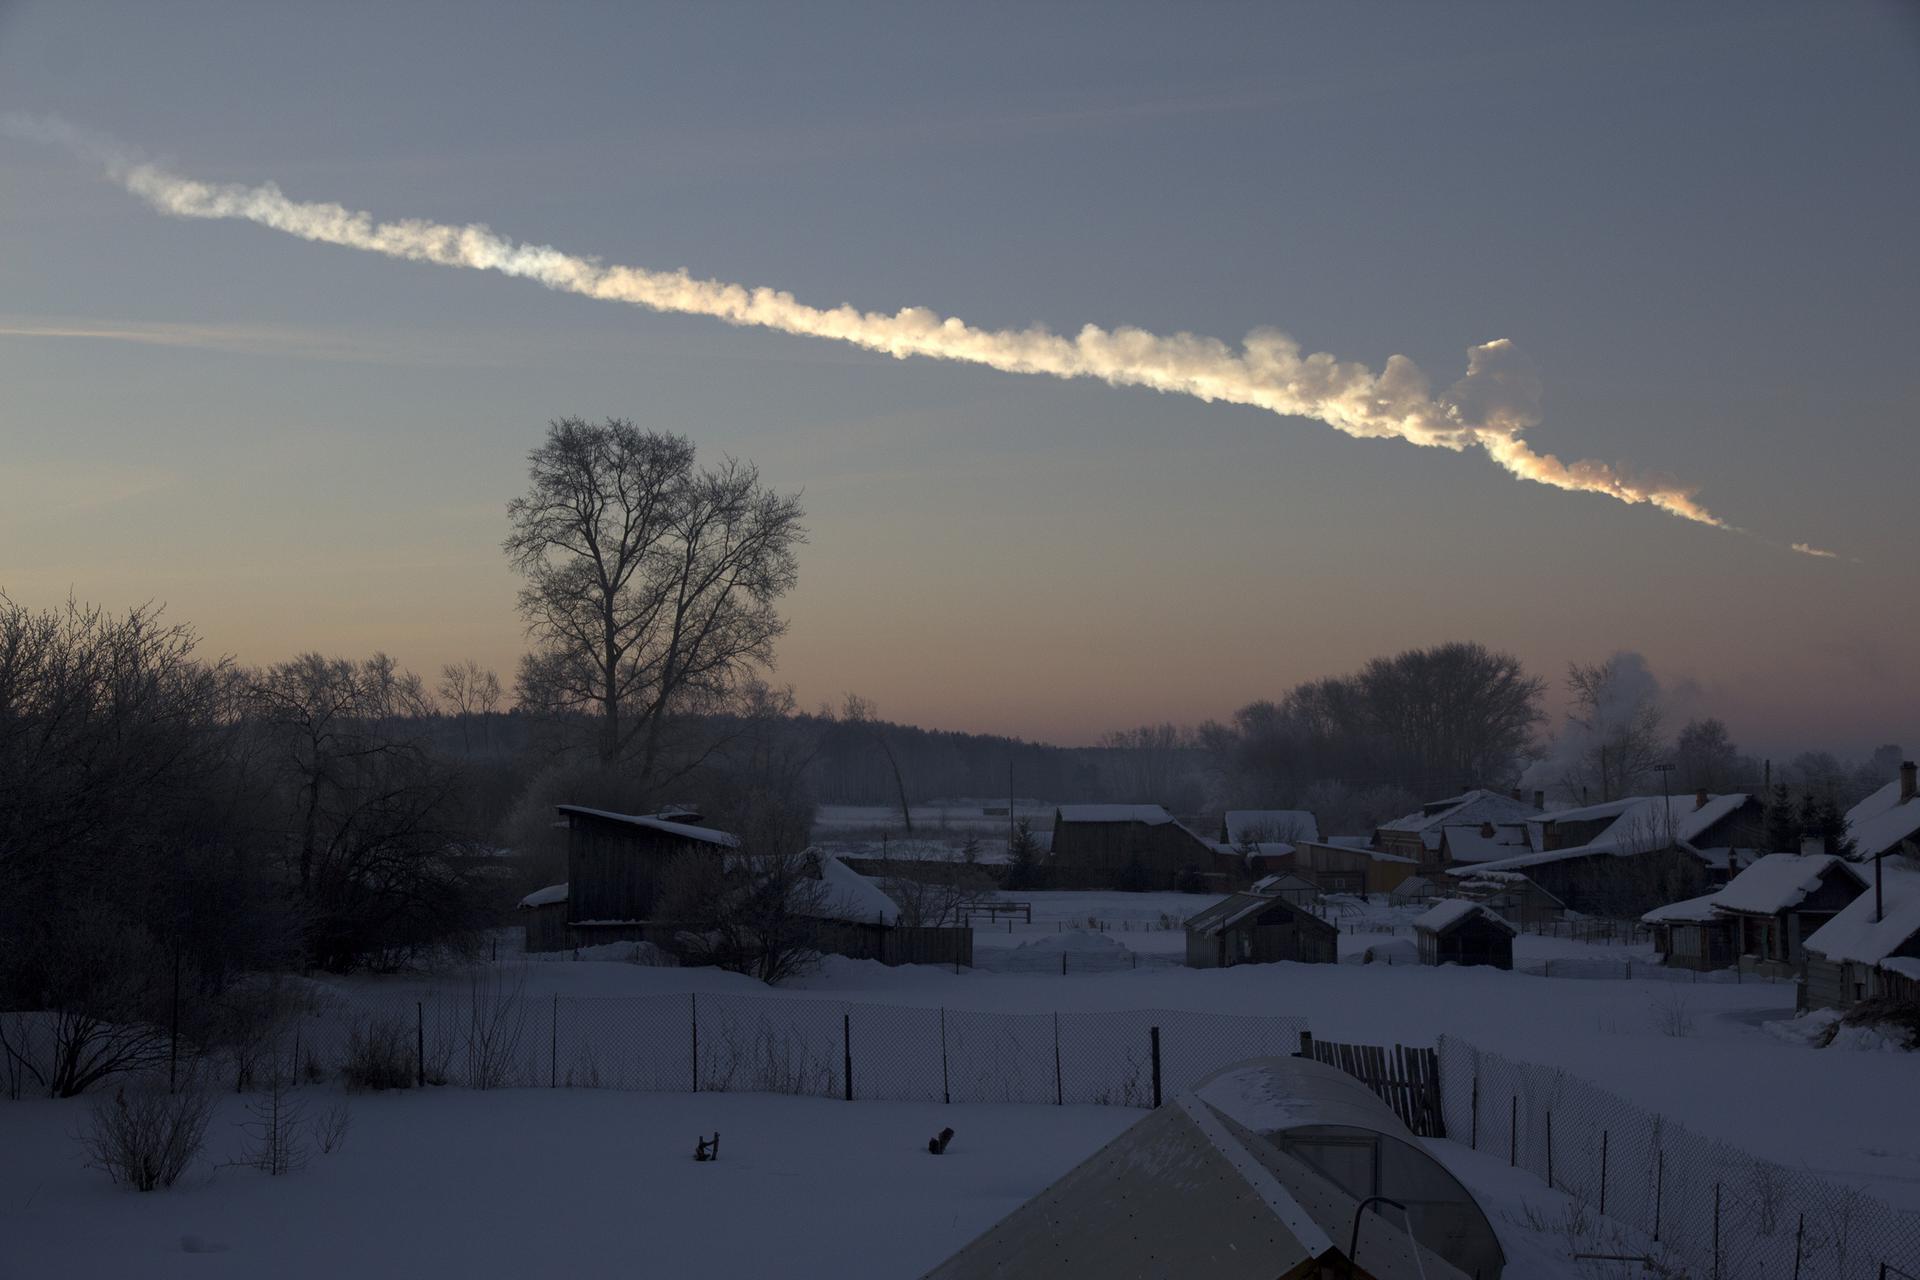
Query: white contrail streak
(1489, 408)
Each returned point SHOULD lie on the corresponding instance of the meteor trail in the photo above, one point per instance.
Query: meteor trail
(1490, 408)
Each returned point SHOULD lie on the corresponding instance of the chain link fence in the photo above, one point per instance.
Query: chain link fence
(495, 1035)
(1715, 1212)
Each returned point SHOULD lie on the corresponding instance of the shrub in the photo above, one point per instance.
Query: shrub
(145, 1138)
(379, 1055)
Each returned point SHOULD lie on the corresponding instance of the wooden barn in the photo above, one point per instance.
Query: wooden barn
(1256, 928)
(1343, 868)
(615, 861)
(1422, 836)
(1128, 846)
(1454, 931)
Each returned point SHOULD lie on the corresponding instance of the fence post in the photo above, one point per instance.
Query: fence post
(846, 1051)
(553, 1046)
(1059, 1093)
(1306, 1044)
(420, 1043)
(1716, 1231)
(1603, 1172)
(1799, 1235)
(1549, 1148)
(1659, 1187)
(1154, 1035)
(693, 1003)
(946, 1090)
(1513, 1133)
(1474, 1132)
(1063, 964)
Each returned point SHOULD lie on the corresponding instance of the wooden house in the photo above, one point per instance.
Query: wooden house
(1129, 846)
(1871, 947)
(1628, 856)
(1454, 931)
(1420, 836)
(1781, 900)
(1690, 934)
(1257, 928)
(1888, 819)
(615, 862)
(1344, 868)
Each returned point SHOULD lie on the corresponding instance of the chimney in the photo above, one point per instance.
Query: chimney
(1515, 793)
(1700, 799)
(1540, 801)
(1907, 783)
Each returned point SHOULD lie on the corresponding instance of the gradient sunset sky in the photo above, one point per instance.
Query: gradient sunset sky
(1696, 222)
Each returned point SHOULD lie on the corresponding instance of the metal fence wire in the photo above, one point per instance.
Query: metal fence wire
(1715, 1212)
(488, 1037)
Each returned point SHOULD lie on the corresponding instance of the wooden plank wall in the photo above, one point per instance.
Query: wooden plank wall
(1406, 1078)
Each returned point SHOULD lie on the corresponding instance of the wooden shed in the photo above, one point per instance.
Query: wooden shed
(1690, 934)
(1455, 931)
(615, 861)
(1257, 928)
(1344, 868)
(1128, 846)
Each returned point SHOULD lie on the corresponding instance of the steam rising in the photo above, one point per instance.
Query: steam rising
(1489, 409)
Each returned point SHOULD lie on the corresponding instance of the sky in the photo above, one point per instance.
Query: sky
(1693, 223)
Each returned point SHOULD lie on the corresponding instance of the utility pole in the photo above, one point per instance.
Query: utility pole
(1666, 804)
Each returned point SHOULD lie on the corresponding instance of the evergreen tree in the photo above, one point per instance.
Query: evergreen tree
(1783, 823)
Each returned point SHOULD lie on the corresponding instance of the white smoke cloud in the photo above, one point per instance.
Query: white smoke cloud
(1489, 409)
(1816, 552)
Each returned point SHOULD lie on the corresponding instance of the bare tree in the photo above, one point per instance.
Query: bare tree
(858, 713)
(651, 583)
(1616, 712)
(471, 690)
(753, 913)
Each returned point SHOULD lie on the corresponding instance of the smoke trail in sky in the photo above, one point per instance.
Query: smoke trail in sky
(1490, 408)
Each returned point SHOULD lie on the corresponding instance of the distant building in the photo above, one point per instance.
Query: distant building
(1129, 846)
(1258, 928)
(1454, 931)
(1871, 947)
(1268, 826)
(1344, 868)
(1760, 918)
(1421, 836)
(1628, 856)
(1298, 890)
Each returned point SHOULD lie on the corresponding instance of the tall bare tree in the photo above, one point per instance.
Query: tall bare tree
(471, 690)
(651, 583)
(1616, 713)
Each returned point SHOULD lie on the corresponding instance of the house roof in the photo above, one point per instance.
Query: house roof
(1153, 815)
(1283, 880)
(546, 897)
(851, 896)
(1473, 807)
(680, 830)
(1270, 824)
(1781, 882)
(1855, 935)
(1234, 908)
(1634, 821)
(1687, 911)
(1451, 913)
(1880, 822)
(1375, 854)
(1466, 843)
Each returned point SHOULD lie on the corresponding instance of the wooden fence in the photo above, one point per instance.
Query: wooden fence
(1406, 1078)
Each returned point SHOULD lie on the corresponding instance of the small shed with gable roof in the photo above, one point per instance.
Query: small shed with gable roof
(1455, 931)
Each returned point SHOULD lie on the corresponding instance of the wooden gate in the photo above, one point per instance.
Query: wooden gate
(1406, 1078)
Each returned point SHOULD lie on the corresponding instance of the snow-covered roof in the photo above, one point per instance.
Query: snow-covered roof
(546, 897)
(1234, 908)
(1448, 912)
(1470, 843)
(1153, 815)
(681, 830)
(1349, 842)
(1880, 822)
(1474, 807)
(1270, 824)
(1639, 823)
(1376, 855)
(1687, 911)
(1284, 880)
(1854, 934)
(851, 896)
(1781, 881)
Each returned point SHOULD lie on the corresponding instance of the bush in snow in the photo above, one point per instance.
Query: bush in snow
(144, 1137)
(330, 1127)
(379, 1055)
(496, 1024)
(1672, 1013)
(276, 1129)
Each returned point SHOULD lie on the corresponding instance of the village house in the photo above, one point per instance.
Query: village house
(1511, 894)
(1871, 948)
(1455, 931)
(1489, 841)
(1421, 836)
(1347, 868)
(1888, 819)
(1259, 928)
(1241, 827)
(1628, 856)
(1132, 846)
(1760, 918)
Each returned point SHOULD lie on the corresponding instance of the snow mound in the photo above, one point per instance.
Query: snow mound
(1881, 1038)
(1810, 1029)
(1076, 940)
(1392, 951)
